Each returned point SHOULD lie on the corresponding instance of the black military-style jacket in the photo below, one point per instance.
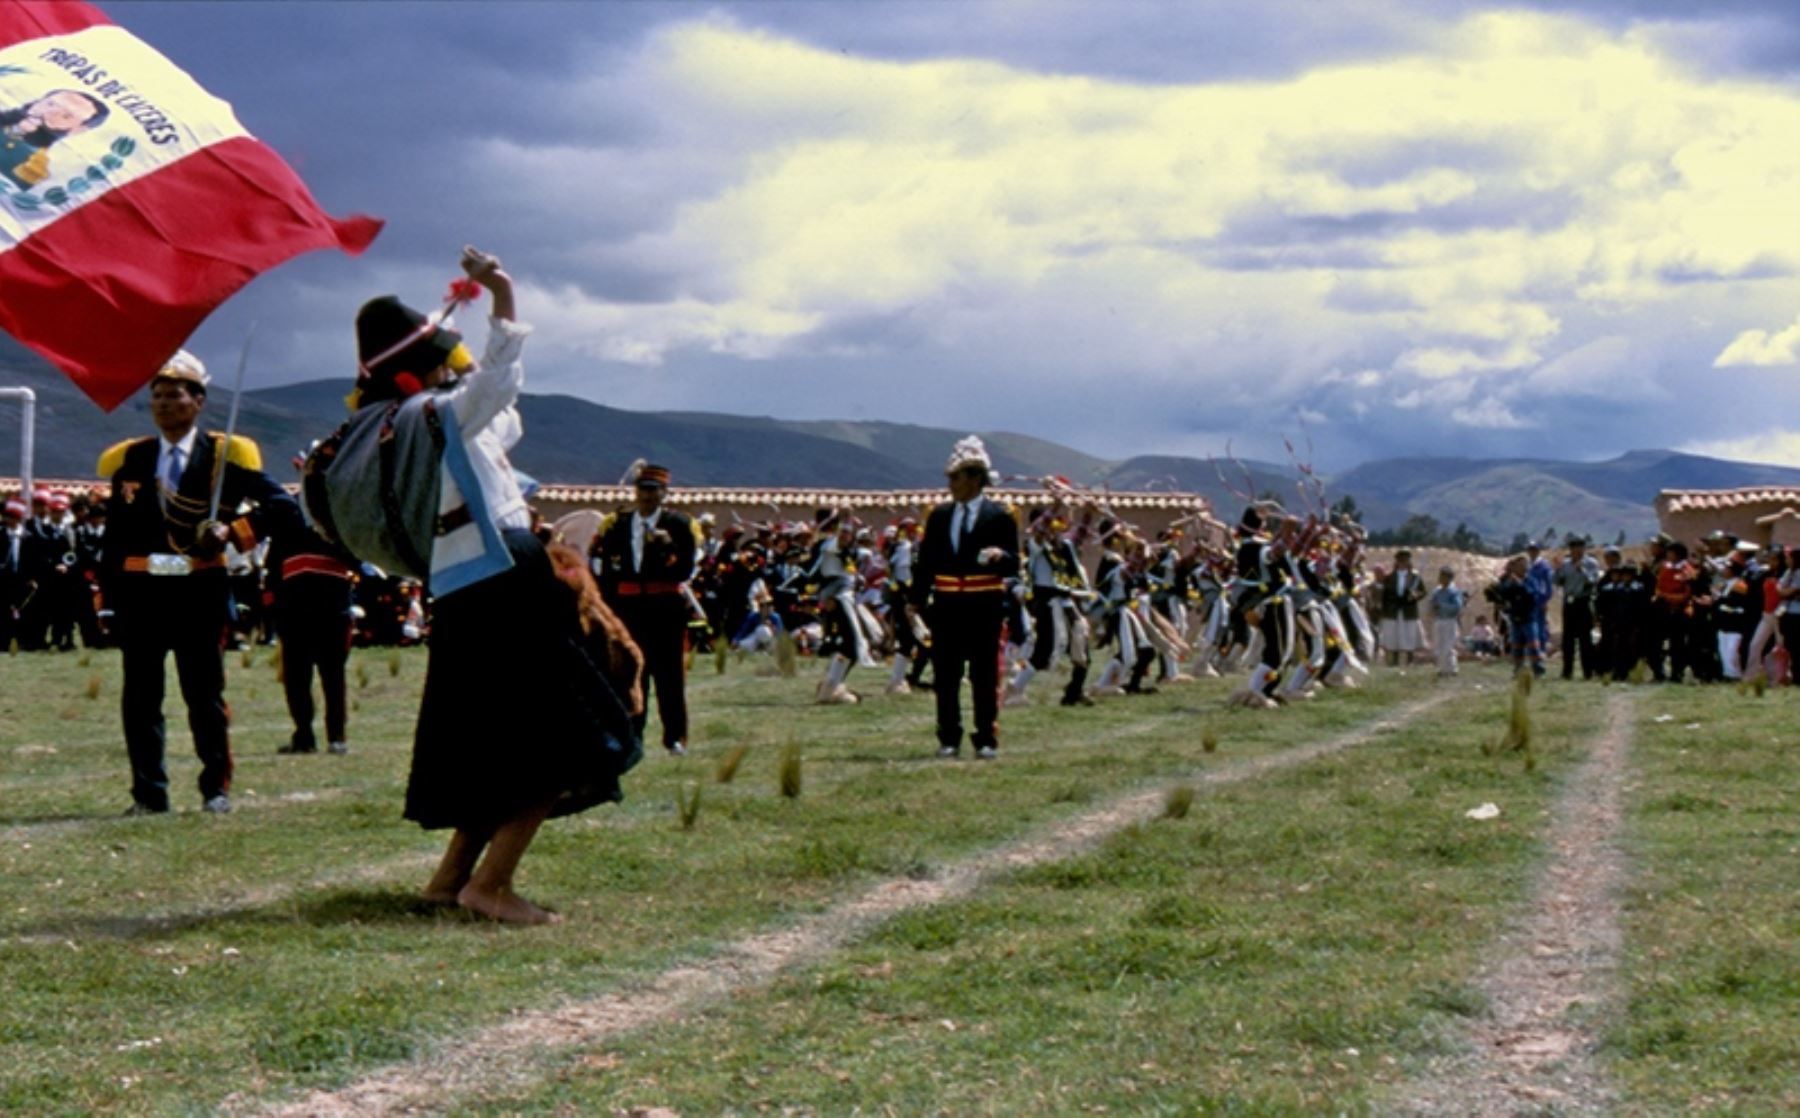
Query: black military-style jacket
(943, 572)
(666, 563)
(145, 518)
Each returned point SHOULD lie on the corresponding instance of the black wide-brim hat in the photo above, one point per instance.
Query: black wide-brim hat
(393, 340)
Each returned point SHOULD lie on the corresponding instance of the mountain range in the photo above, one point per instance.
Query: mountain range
(577, 441)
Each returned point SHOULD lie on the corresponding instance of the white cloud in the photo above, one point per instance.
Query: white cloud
(1606, 366)
(1490, 414)
(1762, 348)
(1777, 447)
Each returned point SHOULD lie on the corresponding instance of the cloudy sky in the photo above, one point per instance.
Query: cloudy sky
(1399, 227)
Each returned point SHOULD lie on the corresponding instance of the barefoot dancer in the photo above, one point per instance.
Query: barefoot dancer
(518, 723)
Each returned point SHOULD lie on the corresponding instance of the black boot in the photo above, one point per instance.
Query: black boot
(1138, 670)
(1075, 694)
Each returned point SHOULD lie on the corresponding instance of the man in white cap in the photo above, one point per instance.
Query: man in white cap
(163, 574)
(970, 549)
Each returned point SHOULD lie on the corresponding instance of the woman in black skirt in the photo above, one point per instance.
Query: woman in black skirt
(526, 710)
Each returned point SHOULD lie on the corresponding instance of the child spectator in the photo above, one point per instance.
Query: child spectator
(1484, 642)
(1520, 602)
(1446, 606)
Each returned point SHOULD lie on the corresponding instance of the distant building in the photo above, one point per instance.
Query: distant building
(1148, 512)
(1765, 515)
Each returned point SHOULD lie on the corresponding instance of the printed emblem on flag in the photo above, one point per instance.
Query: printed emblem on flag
(85, 112)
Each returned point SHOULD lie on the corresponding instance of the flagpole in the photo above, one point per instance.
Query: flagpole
(27, 434)
(237, 398)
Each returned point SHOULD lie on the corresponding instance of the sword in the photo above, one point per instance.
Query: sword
(237, 397)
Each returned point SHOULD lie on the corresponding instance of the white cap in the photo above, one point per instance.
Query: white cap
(183, 366)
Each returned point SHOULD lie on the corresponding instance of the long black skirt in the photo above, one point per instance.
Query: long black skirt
(515, 711)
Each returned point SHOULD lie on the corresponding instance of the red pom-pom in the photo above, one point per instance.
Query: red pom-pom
(407, 384)
(463, 291)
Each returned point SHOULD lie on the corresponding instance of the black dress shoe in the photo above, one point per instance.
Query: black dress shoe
(136, 810)
(296, 747)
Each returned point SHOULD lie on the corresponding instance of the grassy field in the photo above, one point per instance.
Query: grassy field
(1712, 958)
(1298, 942)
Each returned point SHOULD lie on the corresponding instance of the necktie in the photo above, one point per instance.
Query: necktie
(956, 527)
(173, 476)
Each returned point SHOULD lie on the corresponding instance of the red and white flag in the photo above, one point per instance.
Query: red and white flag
(132, 202)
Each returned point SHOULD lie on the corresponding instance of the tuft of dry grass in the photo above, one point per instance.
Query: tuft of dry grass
(728, 764)
(394, 664)
(687, 804)
(1518, 722)
(1179, 802)
(280, 666)
(362, 676)
(69, 713)
(93, 686)
(790, 770)
(720, 655)
(1209, 739)
(86, 658)
(1640, 673)
(248, 659)
(787, 656)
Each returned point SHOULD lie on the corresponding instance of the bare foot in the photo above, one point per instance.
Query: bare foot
(505, 906)
(443, 888)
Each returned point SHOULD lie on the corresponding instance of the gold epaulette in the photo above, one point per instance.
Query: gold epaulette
(241, 453)
(606, 523)
(112, 459)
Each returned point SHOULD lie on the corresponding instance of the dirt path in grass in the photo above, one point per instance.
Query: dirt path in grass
(515, 1053)
(1554, 973)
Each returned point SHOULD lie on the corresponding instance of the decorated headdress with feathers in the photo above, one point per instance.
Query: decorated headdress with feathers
(969, 452)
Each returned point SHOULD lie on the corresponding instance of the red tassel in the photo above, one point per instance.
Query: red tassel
(463, 291)
(407, 385)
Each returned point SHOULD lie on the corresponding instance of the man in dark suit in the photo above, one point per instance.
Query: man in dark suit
(163, 574)
(641, 559)
(970, 549)
(22, 569)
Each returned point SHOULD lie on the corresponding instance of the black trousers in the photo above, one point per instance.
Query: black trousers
(1620, 647)
(658, 623)
(1578, 639)
(314, 636)
(968, 636)
(185, 615)
(1043, 620)
(1669, 633)
(1789, 624)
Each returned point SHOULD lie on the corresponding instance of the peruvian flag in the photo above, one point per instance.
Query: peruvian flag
(132, 202)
